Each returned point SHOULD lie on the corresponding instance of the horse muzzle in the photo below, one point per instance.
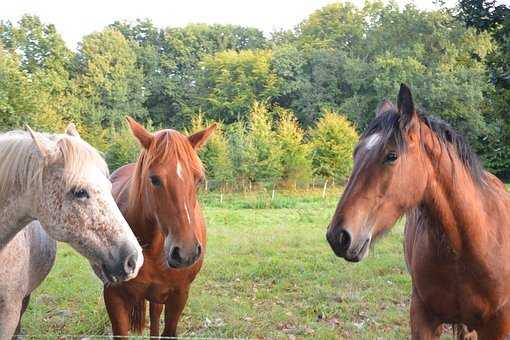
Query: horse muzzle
(345, 246)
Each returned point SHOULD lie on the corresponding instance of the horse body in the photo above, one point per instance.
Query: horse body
(158, 198)
(457, 236)
(30, 255)
(468, 284)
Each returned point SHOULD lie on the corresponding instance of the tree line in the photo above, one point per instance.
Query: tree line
(290, 106)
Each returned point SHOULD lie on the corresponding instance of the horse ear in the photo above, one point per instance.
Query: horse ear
(197, 140)
(72, 131)
(144, 137)
(383, 107)
(42, 146)
(405, 105)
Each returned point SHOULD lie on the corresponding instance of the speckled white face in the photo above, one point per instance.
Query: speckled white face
(80, 210)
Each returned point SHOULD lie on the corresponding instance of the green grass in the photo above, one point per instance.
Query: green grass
(268, 272)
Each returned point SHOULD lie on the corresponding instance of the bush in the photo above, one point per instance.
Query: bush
(333, 142)
(295, 159)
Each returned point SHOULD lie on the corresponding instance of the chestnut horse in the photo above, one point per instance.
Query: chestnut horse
(457, 235)
(158, 197)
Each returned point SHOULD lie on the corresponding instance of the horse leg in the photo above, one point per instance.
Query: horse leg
(497, 328)
(155, 310)
(423, 325)
(10, 311)
(24, 306)
(118, 310)
(173, 309)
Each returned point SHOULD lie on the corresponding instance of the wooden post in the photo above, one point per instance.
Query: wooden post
(324, 189)
(272, 195)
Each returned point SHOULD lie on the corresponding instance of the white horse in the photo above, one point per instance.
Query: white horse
(57, 185)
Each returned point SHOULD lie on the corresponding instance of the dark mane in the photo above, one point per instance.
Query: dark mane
(387, 125)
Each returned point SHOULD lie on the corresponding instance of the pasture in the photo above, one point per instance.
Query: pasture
(268, 273)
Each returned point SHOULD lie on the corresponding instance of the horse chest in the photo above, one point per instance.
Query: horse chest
(158, 283)
(451, 290)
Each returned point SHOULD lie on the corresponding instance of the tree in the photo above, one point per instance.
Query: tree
(230, 81)
(333, 142)
(487, 16)
(215, 154)
(17, 103)
(109, 81)
(45, 60)
(268, 155)
(242, 151)
(295, 154)
(170, 61)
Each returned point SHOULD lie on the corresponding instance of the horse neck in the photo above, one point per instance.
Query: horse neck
(463, 210)
(16, 211)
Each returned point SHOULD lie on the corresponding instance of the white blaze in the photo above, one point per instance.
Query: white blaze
(179, 170)
(187, 212)
(372, 141)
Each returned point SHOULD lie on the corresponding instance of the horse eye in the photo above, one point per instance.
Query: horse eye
(80, 193)
(390, 157)
(155, 180)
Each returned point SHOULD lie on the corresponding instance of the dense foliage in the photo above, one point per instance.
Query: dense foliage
(290, 107)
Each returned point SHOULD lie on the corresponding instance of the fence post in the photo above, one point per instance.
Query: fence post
(324, 189)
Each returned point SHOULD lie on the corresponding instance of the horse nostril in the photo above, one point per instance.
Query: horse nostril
(344, 240)
(175, 255)
(130, 263)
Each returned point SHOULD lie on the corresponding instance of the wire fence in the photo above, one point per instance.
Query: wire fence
(246, 186)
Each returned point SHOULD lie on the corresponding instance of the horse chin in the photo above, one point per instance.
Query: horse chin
(101, 273)
(362, 253)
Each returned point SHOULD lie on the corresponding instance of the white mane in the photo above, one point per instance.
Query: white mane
(22, 166)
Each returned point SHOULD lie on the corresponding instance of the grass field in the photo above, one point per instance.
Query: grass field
(269, 272)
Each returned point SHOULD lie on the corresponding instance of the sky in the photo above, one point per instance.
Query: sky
(75, 19)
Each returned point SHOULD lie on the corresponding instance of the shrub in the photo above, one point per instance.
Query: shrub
(333, 142)
(295, 154)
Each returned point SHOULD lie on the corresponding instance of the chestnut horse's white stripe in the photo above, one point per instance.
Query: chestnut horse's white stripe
(187, 212)
(179, 170)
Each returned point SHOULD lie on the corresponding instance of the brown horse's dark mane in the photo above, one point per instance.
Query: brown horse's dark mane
(388, 126)
(167, 144)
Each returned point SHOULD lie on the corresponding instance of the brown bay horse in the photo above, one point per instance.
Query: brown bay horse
(158, 197)
(457, 234)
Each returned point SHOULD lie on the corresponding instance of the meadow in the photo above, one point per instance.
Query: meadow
(269, 272)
